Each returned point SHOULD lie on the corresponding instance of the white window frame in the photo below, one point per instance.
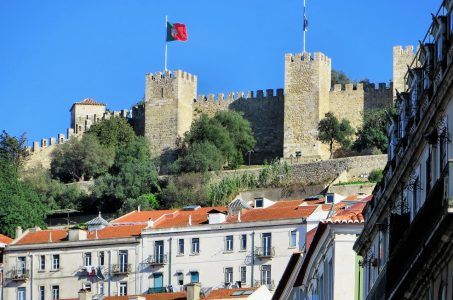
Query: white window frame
(195, 250)
(87, 259)
(42, 292)
(293, 234)
(181, 243)
(21, 293)
(55, 292)
(56, 262)
(243, 242)
(243, 274)
(229, 278)
(42, 263)
(229, 243)
(122, 288)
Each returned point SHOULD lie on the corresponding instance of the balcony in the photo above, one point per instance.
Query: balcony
(157, 290)
(270, 285)
(264, 252)
(413, 245)
(121, 269)
(157, 260)
(19, 274)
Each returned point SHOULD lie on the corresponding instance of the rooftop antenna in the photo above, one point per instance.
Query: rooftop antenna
(305, 26)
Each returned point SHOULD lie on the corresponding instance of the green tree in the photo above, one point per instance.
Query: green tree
(53, 193)
(113, 132)
(185, 189)
(199, 157)
(13, 149)
(331, 131)
(145, 202)
(80, 160)
(376, 175)
(20, 205)
(240, 133)
(136, 151)
(338, 77)
(373, 133)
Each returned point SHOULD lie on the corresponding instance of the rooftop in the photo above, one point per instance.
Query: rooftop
(5, 240)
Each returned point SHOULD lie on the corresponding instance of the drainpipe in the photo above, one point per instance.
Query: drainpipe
(141, 266)
(169, 261)
(31, 276)
(253, 259)
(110, 270)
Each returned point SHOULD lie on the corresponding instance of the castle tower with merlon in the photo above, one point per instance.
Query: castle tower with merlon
(402, 58)
(168, 110)
(307, 88)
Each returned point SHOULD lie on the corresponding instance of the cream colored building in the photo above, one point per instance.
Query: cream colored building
(240, 245)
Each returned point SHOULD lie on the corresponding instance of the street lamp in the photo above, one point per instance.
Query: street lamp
(250, 154)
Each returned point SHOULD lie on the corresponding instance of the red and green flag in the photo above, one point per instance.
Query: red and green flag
(176, 32)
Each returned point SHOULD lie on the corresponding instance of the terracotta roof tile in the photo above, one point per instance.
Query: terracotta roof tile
(164, 296)
(89, 101)
(309, 238)
(61, 235)
(226, 293)
(5, 239)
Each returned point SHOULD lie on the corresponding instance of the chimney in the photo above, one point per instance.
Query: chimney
(85, 295)
(19, 232)
(190, 220)
(193, 291)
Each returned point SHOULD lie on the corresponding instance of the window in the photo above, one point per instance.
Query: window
(21, 295)
(259, 203)
(87, 259)
(181, 246)
(428, 173)
(21, 265)
(443, 149)
(55, 262)
(122, 291)
(440, 47)
(55, 292)
(194, 277)
(243, 274)
(228, 275)
(123, 260)
(180, 278)
(158, 280)
(195, 245)
(229, 243)
(293, 239)
(42, 262)
(42, 293)
(101, 258)
(101, 288)
(159, 251)
(243, 241)
(266, 274)
(87, 286)
(266, 240)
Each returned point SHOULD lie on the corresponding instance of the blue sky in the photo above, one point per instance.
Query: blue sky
(53, 52)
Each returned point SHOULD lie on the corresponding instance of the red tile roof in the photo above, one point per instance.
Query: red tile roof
(227, 293)
(89, 101)
(5, 240)
(164, 296)
(61, 235)
(309, 238)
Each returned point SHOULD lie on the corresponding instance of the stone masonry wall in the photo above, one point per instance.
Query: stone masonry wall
(325, 171)
(307, 86)
(263, 111)
(402, 58)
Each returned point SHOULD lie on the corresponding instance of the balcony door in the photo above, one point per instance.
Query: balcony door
(159, 251)
(267, 243)
(21, 265)
(158, 280)
(123, 260)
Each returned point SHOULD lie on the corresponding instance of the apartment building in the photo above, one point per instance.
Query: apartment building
(406, 243)
(328, 268)
(241, 245)
(57, 263)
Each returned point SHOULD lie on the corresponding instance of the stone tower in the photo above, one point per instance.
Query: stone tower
(402, 58)
(307, 87)
(84, 114)
(168, 106)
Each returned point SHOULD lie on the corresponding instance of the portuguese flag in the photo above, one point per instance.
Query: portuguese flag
(176, 32)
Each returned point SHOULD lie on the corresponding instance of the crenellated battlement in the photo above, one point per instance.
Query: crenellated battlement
(369, 87)
(47, 142)
(307, 57)
(269, 94)
(400, 50)
(170, 75)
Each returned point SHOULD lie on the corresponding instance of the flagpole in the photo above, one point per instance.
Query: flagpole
(166, 44)
(304, 29)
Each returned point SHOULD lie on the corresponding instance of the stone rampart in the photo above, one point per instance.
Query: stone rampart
(264, 111)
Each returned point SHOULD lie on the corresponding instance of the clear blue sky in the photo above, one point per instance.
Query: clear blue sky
(53, 53)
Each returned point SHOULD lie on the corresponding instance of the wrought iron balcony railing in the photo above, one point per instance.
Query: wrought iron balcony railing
(157, 260)
(265, 252)
(120, 269)
(19, 274)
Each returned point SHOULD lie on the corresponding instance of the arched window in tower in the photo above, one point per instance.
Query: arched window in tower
(162, 92)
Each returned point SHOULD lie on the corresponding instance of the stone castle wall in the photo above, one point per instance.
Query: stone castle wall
(307, 86)
(264, 111)
(402, 58)
(350, 101)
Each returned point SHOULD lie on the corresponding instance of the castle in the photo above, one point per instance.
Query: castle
(284, 121)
